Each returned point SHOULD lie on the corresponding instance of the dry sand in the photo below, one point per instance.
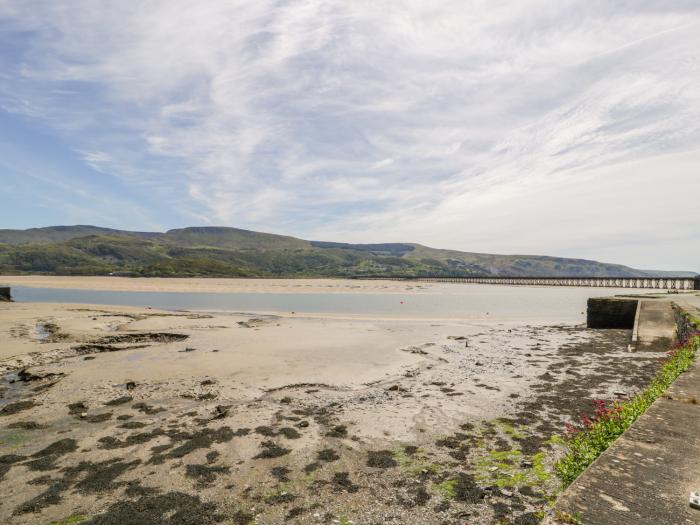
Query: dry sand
(128, 415)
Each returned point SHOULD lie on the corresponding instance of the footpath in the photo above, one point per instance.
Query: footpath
(647, 475)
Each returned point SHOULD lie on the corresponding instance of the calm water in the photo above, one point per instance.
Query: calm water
(549, 304)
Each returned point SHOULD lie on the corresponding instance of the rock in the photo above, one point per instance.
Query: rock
(130, 385)
(83, 414)
(221, 411)
(26, 376)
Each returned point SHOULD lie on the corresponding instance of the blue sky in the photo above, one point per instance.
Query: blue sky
(566, 128)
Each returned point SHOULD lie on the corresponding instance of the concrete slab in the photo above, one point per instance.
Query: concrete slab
(657, 325)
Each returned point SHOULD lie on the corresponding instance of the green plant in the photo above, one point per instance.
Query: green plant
(587, 442)
(447, 488)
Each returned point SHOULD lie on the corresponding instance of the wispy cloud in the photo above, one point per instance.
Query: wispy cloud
(454, 123)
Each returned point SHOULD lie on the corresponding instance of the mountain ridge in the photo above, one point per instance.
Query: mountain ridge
(221, 251)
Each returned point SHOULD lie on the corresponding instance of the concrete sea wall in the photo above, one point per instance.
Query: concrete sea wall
(611, 312)
(5, 294)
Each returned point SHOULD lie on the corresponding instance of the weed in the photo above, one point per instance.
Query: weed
(447, 488)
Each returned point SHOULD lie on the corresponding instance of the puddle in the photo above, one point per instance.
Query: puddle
(42, 333)
(11, 388)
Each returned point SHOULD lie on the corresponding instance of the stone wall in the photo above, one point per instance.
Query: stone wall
(684, 326)
(611, 312)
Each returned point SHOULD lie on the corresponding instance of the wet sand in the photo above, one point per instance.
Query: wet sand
(130, 415)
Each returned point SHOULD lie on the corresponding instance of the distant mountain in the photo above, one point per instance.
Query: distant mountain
(61, 233)
(232, 252)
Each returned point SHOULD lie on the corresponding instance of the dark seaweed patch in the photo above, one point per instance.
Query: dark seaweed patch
(147, 409)
(13, 408)
(327, 454)
(99, 477)
(204, 438)
(132, 425)
(204, 474)
(467, 490)
(6, 463)
(47, 457)
(75, 409)
(110, 442)
(270, 449)
(242, 517)
(266, 431)
(162, 509)
(98, 418)
(381, 459)
(289, 433)
(135, 489)
(341, 482)
(295, 512)
(311, 467)
(280, 473)
(120, 401)
(27, 425)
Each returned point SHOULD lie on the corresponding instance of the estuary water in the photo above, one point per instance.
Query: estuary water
(458, 301)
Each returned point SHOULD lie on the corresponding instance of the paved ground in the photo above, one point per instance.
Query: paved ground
(647, 475)
(657, 325)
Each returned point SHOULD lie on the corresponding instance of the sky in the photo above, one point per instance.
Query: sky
(567, 127)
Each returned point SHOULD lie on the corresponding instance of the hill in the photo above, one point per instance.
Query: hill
(232, 252)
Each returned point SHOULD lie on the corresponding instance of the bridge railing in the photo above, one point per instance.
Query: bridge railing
(652, 283)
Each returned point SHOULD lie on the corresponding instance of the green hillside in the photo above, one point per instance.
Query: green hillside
(232, 252)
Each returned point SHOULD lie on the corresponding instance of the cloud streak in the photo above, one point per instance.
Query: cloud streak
(369, 121)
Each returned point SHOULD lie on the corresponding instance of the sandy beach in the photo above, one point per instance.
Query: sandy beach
(134, 415)
(153, 284)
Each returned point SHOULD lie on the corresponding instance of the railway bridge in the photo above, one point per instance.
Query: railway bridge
(653, 283)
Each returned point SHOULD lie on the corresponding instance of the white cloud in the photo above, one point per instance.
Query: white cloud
(468, 124)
